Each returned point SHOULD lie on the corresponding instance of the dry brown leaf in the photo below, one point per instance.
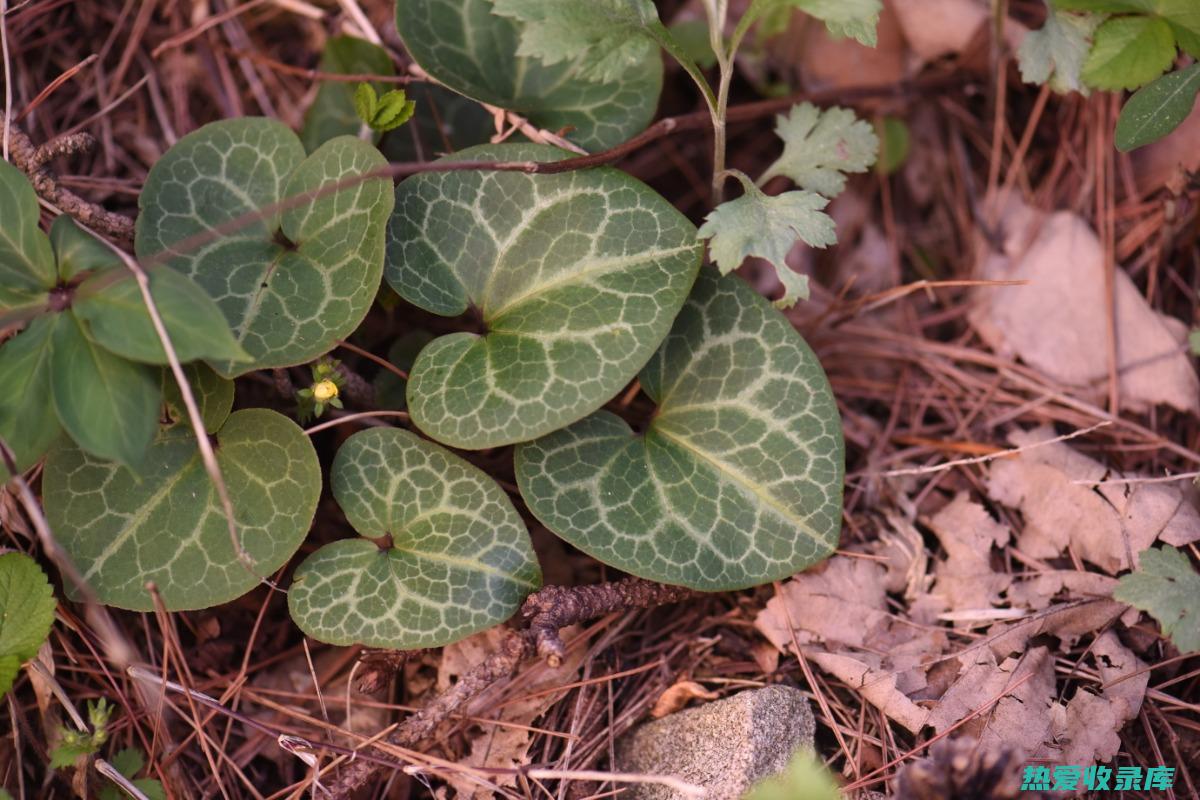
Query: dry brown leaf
(877, 687)
(1107, 524)
(1024, 715)
(936, 28)
(1067, 621)
(678, 695)
(1058, 322)
(1038, 591)
(840, 603)
(966, 580)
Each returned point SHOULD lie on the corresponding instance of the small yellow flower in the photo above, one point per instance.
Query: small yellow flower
(325, 391)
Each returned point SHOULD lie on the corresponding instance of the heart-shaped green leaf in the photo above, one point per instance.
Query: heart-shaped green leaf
(111, 306)
(291, 248)
(214, 396)
(453, 556)
(577, 277)
(108, 405)
(26, 260)
(28, 421)
(332, 112)
(165, 524)
(737, 480)
(465, 46)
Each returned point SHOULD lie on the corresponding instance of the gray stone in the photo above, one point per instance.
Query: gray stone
(723, 746)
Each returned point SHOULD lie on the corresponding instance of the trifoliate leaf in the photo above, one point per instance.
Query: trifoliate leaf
(1129, 52)
(1157, 108)
(1055, 53)
(1167, 586)
(26, 613)
(804, 777)
(818, 146)
(757, 224)
(606, 37)
(853, 18)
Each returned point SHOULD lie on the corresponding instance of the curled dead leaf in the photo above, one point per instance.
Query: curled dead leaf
(678, 695)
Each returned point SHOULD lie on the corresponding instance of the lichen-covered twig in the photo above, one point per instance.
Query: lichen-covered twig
(547, 611)
(32, 160)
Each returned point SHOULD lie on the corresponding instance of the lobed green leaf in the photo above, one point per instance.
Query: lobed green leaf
(26, 613)
(1168, 587)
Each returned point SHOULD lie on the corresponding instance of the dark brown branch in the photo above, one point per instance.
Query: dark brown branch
(32, 160)
(548, 610)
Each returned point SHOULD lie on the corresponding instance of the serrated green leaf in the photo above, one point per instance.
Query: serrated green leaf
(856, 19)
(804, 778)
(28, 421)
(737, 480)
(128, 762)
(332, 112)
(214, 396)
(819, 146)
(603, 38)
(107, 404)
(165, 524)
(26, 613)
(10, 667)
(465, 46)
(1128, 52)
(1167, 586)
(757, 224)
(1056, 52)
(26, 260)
(365, 102)
(1182, 15)
(456, 560)
(77, 251)
(577, 277)
(1157, 108)
(115, 317)
(70, 750)
(288, 302)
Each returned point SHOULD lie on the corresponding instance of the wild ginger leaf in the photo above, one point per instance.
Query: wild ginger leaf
(737, 479)
(604, 38)
(1056, 52)
(473, 51)
(1157, 108)
(165, 523)
(293, 262)
(577, 277)
(1128, 52)
(819, 146)
(757, 224)
(1167, 586)
(447, 553)
(26, 613)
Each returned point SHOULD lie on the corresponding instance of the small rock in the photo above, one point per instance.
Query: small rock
(724, 746)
